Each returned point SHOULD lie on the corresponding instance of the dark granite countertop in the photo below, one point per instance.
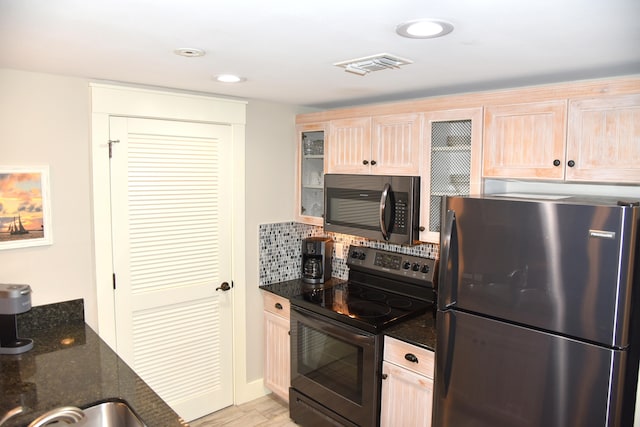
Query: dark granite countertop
(70, 365)
(420, 331)
(294, 287)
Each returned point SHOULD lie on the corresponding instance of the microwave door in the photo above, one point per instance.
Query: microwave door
(385, 217)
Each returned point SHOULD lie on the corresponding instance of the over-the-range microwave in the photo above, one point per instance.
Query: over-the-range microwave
(378, 207)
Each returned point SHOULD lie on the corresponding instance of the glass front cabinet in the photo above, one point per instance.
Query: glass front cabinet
(452, 154)
(310, 176)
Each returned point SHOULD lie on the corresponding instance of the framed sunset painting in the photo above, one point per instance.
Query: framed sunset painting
(25, 207)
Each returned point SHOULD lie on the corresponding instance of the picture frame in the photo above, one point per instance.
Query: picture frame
(25, 207)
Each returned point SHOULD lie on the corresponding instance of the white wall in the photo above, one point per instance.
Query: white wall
(44, 120)
(270, 185)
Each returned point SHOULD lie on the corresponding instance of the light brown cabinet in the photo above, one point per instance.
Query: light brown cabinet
(385, 144)
(585, 131)
(349, 148)
(407, 385)
(603, 140)
(525, 140)
(451, 163)
(310, 173)
(277, 364)
(580, 140)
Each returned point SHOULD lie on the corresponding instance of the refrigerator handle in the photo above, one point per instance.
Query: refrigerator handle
(448, 260)
(446, 348)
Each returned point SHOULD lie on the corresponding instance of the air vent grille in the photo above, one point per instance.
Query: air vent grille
(381, 61)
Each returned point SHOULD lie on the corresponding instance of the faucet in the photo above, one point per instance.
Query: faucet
(15, 411)
(68, 414)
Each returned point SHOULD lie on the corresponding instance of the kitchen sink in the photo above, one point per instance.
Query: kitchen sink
(110, 414)
(113, 413)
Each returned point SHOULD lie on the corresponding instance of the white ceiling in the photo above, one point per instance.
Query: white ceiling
(286, 48)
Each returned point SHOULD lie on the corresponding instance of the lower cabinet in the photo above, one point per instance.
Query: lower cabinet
(277, 373)
(407, 385)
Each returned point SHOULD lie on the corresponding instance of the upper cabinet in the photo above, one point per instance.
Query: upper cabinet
(525, 140)
(386, 144)
(310, 177)
(451, 163)
(587, 131)
(396, 144)
(603, 140)
(349, 147)
(586, 139)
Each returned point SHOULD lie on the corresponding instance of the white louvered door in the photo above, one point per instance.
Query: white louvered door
(172, 243)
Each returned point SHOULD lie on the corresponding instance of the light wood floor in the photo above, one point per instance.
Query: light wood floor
(267, 411)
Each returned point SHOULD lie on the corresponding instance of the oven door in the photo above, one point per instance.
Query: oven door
(336, 366)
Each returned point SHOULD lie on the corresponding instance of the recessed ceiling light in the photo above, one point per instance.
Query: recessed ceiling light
(229, 78)
(424, 28)
(189, 52)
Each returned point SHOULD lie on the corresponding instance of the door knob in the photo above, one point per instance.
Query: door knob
(224, 287)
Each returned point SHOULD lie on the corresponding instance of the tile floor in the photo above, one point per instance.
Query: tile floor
(267, 411)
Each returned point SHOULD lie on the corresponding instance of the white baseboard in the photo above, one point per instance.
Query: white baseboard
(250, 391)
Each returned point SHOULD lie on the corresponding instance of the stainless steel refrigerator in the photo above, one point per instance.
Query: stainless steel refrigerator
(537, 312)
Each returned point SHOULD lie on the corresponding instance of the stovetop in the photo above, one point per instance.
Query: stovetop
(361, 306)
(383, 288)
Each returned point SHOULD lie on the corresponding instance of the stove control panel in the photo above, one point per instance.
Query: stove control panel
(402, 266)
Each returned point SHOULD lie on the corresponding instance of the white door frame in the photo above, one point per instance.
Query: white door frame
(113, 100)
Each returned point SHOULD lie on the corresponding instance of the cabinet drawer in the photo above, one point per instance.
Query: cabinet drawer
(409, 356)
(276, 304)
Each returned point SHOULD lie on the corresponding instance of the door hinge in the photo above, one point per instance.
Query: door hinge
(111, 142)
(114, 281)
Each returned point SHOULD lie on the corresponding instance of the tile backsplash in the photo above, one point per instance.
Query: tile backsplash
(281, 250)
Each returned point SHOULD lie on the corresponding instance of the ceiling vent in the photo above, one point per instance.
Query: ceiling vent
(381, 61)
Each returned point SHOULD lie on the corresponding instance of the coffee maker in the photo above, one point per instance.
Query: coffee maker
(316, 259)
(14, 299)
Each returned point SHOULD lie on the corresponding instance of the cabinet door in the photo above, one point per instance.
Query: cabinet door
(407, 398)
(310, 173)
(349, 146)
(604, 139)
(395, 145)
(408, 356)
(451, 162)
(525, 140)
(277, 371)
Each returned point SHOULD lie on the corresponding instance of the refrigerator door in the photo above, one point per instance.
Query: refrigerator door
(560, 267)
(490, 373)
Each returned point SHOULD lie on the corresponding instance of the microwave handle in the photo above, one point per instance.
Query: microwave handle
(383, 206)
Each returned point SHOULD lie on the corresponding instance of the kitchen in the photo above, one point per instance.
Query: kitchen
(37, 131)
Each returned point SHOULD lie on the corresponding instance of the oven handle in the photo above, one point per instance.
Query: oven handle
(383, 208)
(333, 327)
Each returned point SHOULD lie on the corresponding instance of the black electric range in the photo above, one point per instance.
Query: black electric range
(337, 335)
(383, 288)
